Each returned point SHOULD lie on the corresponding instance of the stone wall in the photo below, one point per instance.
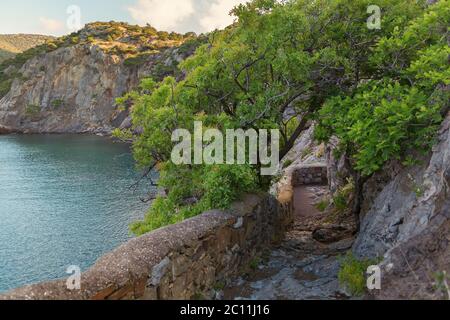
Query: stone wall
(183, 261)
(310, 174)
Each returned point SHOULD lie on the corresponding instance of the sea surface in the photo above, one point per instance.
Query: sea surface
(65, 200)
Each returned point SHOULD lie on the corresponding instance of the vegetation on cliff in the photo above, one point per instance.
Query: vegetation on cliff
(12, 44)
(134, 44)
(282, 65)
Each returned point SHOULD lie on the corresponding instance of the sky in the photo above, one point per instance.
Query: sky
(59, 17)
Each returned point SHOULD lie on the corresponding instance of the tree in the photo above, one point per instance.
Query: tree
(277, 67)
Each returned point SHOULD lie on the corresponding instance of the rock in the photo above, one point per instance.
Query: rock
(159, 271)
(408, 223)
(73, 90)
(332, 234)
(5, 130)
(126, 124)
(336, 167)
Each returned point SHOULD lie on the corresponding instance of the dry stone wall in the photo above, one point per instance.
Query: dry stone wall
(183, 261)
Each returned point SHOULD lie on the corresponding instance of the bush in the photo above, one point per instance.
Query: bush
(322, 205)
(5, 87)
(75, 40)
(352, 274)
(138, 60)
(297, 59)
(32, 110)
(57, 103)
(401, 108)
(218, 187)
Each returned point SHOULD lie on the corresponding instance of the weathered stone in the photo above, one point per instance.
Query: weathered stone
(139, 288)
(180, 265)
(105, 293)
(151, 293)
(159, 271)
(178, 261)
(332, 234)
(239, 223)
(126, 291)
(179, 287)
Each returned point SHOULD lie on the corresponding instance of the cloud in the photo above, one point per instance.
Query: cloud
(184, 15)
(163, 15)
(218, 15)
(53, 26)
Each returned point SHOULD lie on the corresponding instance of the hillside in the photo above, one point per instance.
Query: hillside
(11, 44)
(70, 83)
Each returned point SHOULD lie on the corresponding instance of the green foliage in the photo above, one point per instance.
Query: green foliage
(75, 40)
(254, 264)
(219, 286)
(12, 44)
(137, 60)
(5, 86)
(287, 163)
(400, 109)
(382, 121)
(441, 284)
(193, 42)
(32, 110)
(57, 103)
(225, 183)
(352, 274)
(313, 60)
(322, 205)
(340, 202)
(216, 186)
(133, 43)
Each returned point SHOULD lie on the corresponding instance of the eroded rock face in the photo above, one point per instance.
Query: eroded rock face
(72, 90)
(408, 221)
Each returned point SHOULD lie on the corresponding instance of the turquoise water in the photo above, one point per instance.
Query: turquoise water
(64, 200)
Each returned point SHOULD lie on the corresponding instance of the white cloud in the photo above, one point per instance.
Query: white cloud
(163, 15)
(218, 14)
(51, 26)
(184, 15)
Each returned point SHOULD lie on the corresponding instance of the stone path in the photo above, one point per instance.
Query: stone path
(300, 268)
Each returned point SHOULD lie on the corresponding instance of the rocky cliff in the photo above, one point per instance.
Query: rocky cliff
(407, 222)
(71, 84)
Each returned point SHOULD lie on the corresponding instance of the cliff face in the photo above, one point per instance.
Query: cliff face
(68, 90)
(72, 87)
(408, 223)
(405, 222)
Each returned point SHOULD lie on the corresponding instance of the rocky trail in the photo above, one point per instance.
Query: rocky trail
(300, 267)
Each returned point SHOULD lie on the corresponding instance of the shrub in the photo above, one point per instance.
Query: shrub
(75, 40)
(322, 205)
(57, 103)
(294, 60)
(32, 110)
(352, 274)
(287, 163)
(138, 59)
(5, 87)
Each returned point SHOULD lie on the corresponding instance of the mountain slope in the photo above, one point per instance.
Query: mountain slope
(11, 44)
(69, 84)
